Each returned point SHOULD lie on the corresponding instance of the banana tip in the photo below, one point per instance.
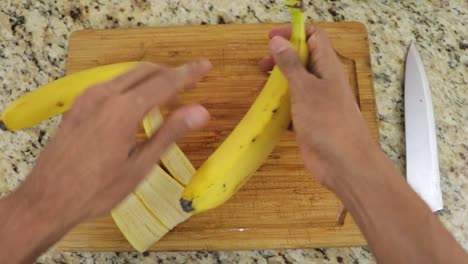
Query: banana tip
(186, 205)
(2, 126)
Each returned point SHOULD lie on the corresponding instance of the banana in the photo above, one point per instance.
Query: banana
(249, 144)
(161, 194)
(175, 161)
(56, 97)
(139, 226)
(153, 208)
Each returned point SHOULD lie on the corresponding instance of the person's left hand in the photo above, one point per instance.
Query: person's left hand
(92, 163)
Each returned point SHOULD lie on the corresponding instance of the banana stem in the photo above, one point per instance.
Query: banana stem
(297, 23)
(298, 34)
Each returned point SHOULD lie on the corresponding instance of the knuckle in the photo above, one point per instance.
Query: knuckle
(167, 76)
(98, 87)
(118, 103)
(310, 29)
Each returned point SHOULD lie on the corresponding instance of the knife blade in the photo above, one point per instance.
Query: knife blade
(422, 165)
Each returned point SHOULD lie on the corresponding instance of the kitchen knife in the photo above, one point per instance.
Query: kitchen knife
(422, 165)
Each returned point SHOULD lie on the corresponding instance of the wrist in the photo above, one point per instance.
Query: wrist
(366, 169)
(44, 204)
(29, 225)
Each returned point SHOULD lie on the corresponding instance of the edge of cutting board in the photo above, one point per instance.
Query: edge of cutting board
(82, 238)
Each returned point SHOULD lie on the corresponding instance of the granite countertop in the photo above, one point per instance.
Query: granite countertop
(34, 38)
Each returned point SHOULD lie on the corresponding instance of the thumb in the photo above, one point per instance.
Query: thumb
(286, 57)
(179, 123)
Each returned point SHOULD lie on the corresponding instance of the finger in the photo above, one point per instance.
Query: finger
(266, 64)
(178, 124)
(323, 63)
(282, 31)
(286, 58)
(285, 31)
(94, 95)
(173, 103)
(160, 88)
(128, 80)
(87, 102)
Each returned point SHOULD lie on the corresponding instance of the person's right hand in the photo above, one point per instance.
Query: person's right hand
(332, 135)
(93, 161)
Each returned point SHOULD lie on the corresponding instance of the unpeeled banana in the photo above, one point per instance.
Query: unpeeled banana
(249, 144)
(56, 97)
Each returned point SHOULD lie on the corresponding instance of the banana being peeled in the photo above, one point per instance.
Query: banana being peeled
(249, 144)
(138, 224)
(56, 97)
(153, 209)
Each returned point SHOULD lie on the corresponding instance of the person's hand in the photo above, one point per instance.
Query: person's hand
(92, 163)
(332, 135)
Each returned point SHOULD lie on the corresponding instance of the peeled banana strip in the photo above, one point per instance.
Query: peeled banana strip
(174, 160)
(57, 97)
(161, 193)
(155, 202)
(139, 226)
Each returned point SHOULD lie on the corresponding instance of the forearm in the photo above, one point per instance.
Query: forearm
(393, 218)
(28, 227)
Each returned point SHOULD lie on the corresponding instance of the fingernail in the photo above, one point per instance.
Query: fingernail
(201, 65)
(198, 66)
(310, 30)
(197, 117)
(205, 64)
(278, 44)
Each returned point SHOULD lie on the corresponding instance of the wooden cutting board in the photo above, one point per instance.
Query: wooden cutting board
(282, 206)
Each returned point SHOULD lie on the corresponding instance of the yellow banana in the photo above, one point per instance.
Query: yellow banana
(153, 208)
(56, 97)
(249, 144)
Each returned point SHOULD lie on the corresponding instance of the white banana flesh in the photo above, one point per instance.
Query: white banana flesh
(161, 193)
(139, 226)
(153, 208)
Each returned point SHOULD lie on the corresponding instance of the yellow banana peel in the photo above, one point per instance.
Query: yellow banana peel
(56, 97)
(252, 140)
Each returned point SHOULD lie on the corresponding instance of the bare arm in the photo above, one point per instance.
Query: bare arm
(29, 227)
(92, 163)
(339, 151)
(392, 217)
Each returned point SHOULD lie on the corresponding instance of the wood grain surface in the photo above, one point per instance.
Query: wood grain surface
(282, 206)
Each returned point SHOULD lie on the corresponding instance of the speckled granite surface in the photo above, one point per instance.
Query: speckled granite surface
(34, 38)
